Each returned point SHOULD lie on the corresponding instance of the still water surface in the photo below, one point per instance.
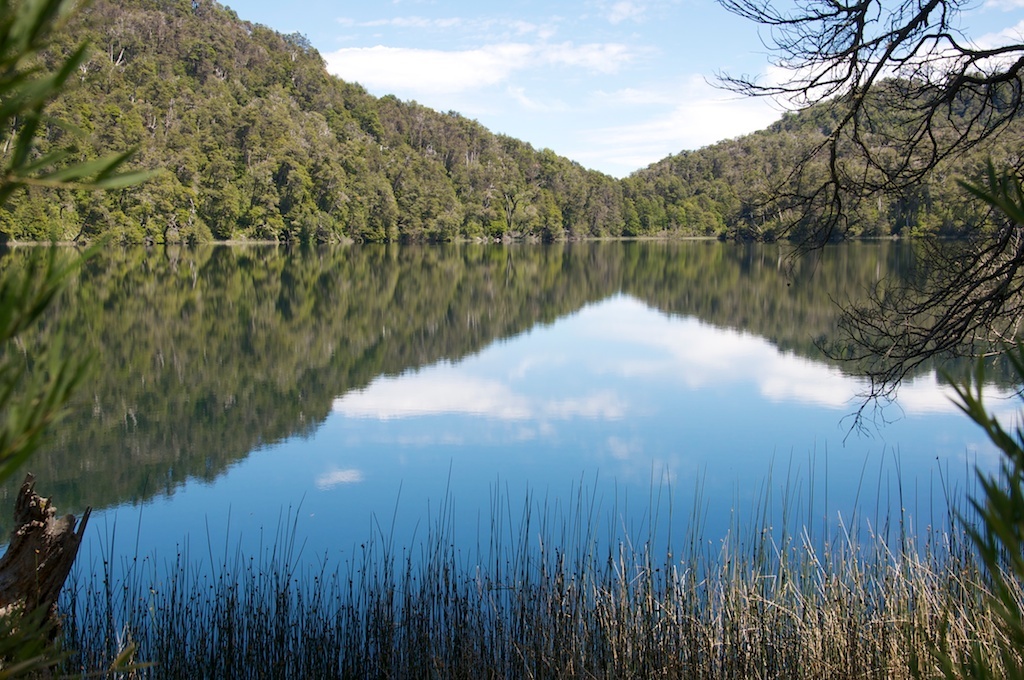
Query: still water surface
(359, 391)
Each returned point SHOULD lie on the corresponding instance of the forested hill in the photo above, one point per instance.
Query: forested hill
(728, 189)
(256, 141)
(260, 142)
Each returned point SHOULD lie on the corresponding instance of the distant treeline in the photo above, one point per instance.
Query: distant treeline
(258, 142)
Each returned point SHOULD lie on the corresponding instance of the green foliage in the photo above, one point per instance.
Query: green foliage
(1004, 193)
(24, 645)
(735, 188)
(34, 385)
(999, 537)
(27, 86)
(261, 143)
(36, 381)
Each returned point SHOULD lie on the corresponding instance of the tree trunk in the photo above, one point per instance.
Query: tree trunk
(40, 555)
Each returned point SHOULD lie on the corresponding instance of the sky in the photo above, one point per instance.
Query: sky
(612, 84)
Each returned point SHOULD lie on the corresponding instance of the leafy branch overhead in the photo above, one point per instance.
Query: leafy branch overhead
(36, 379)
(28, 87)
(35, 385)
(998, 537)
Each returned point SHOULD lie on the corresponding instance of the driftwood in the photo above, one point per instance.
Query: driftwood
(40, 554)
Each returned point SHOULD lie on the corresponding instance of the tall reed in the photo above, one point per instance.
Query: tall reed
(547, 593)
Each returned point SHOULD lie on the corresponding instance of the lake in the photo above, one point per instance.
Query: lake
(332, 395)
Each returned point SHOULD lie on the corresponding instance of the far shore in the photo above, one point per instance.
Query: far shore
(507, 240)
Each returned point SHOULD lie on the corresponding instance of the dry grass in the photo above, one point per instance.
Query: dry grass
(546, 597)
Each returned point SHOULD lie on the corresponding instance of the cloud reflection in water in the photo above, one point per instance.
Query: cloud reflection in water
(624, 338)
(335, 477)
(638, 394)
(445, 389)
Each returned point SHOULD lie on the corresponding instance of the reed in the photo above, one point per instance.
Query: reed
(548, 592)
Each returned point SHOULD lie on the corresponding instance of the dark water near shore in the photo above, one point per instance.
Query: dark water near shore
(361, 391)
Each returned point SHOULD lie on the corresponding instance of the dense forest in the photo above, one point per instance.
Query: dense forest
(729, 189)
(256, 141)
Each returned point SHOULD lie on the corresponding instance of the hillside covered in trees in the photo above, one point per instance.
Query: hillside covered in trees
(256, 141)
(731, 188)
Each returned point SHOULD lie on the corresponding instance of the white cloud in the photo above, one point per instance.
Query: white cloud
(518, 94)
(407, 70)
(624, 11)
(622, 449)
(633, 96)
(925, 394)
(533, 363)
(698, 115)
(700, 356)
(400, 70)
(932, 57)
(1008, 36)
(466, 26)
(945, 56)
(336, 477)
(411, 22)
(604, 405)
(597, 57)
(683, 353)
(1005, 5)
(796, 380)
(446, 389)
(527, 28)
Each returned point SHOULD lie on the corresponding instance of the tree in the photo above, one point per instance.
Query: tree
(35, 383)
(904, 92)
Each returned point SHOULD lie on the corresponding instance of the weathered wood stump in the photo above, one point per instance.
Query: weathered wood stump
(40, 554)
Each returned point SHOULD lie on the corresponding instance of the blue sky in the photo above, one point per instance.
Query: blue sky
(613, 84)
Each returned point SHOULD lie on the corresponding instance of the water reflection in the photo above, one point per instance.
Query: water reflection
(348, 382)
(444, 389)
(621, 337)
(624, 399)
(335, 477)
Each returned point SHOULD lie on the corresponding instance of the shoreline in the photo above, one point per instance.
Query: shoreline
(527, 240)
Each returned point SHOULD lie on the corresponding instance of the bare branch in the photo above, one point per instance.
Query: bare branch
(905, 92)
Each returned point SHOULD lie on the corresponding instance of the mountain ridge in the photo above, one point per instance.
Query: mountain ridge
(257, 142)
